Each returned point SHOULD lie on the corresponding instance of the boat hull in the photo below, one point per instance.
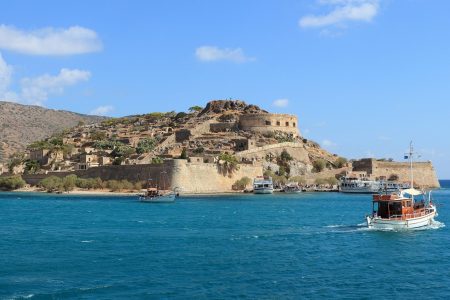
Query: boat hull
(378, 223)
(159, 199)
(263, 191)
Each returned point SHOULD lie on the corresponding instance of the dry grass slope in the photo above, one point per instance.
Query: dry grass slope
(22, 124)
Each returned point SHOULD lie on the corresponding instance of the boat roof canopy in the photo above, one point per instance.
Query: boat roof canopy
(412, 192)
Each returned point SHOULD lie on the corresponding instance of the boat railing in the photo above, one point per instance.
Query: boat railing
(421, 213)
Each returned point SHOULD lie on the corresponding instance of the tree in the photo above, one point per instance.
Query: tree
(183, 154)
(229, 162)
(319, 165)
(285, 156)
(195, 108)
(32, 166)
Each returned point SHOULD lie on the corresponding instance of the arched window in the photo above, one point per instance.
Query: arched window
(278, 123)
(268, 123)
(287, 124)
(294, 124)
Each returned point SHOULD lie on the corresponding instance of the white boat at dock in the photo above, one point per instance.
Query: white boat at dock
(263, 185)
(366, 186)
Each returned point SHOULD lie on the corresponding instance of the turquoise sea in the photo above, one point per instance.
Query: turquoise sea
(308, 246)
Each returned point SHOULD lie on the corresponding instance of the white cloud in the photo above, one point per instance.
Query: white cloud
(328, 143)
(6, 72)
(36, 90)
(50, 41)
(212, 53)
(281, 103)
(343, 11)
(102, 110)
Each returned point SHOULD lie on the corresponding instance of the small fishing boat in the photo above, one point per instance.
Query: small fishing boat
(157, 196)
(292, 188)
(402, 210)
(263, 185)
(158, 193)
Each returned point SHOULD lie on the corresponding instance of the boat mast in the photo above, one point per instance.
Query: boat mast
(411, 153)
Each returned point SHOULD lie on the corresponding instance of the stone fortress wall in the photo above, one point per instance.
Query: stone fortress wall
(265, 123)
(424, 173)
(188, 177)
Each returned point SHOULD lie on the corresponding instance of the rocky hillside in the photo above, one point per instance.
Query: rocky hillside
(22, 124)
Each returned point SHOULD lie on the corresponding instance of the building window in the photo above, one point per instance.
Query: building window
(294, 124)
(287, 124)
(278, 123)
(268, 123)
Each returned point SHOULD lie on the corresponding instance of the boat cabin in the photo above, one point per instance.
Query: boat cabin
(389, 206)
(395, 207)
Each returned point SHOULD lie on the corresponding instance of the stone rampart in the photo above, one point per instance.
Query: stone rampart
(424, 173)
(209, 178)
(266, 123)
(188, 177)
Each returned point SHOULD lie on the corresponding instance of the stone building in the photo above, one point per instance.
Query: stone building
(265, 123)
(39, 154)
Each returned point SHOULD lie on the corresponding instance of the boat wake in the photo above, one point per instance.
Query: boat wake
(363, 227)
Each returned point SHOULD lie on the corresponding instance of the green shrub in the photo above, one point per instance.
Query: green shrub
(340, 162)
(285, 156)
(114, 185)
(157, 160)
(69, 182)
(52, 184)
(319, 165)
(11, 183)
(146, 145)
(241, 184)
(183, 154)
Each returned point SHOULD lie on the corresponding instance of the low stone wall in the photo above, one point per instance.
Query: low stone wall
(296, 150)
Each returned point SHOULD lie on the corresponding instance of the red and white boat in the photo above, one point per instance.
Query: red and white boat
(406, 209)
(401, 211)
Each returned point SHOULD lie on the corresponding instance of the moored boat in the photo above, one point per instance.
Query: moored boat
(367, 186)
(263, 185)
(292, 188)
(158, 193)
(157, 196)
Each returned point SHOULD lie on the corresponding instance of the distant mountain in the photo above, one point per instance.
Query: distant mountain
(21, 125)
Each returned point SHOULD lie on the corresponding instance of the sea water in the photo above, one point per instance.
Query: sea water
(306, 246)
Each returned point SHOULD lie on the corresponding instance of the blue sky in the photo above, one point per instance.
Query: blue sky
(364, 76)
